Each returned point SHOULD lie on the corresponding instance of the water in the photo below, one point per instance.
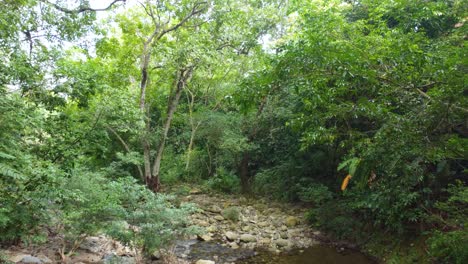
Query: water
(319, 254)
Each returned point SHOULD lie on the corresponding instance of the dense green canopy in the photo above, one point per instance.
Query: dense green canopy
(276, 98)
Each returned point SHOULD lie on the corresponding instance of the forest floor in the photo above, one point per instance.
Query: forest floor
(238, 225)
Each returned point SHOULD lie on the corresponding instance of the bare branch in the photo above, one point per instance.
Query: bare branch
(197, 9)
(80, 9)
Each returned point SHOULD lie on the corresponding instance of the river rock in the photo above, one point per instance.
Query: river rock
(291, 221)
(112, 258)
(206, 237)
(202, 261)
(44, 259)
(263, 224)
(31, 260)
(214, 209)
(231, 236)
(233, 245)
(203, 223)
(219, 218)
(86, 257)
(91, 244)
(248, 238)
(282, 242)
(195, 191)
(265, 241)
(212, 229)
(284, 235)
(17, 258)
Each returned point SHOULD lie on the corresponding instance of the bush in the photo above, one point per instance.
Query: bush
(224, 181)
(231, 213)
(147, 221)
(450, 247)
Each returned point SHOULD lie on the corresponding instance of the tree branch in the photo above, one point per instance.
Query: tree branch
(80, 9)
(125, 145)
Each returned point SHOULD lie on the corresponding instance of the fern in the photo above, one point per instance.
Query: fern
(8, 171)
(6, 156)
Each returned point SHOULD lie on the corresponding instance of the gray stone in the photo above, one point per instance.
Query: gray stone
(31, 259)
(92, 244)
(219, 218)
(282, 242)
(214, 209)
(231, 236)
(211, 229)
(114, 259)
(203, 261)
(44, 259)
(248, 238)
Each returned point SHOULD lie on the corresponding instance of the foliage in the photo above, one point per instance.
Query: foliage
(286, 99)
(231, 213)
(147, 221)
(450, 247)
(224, 181)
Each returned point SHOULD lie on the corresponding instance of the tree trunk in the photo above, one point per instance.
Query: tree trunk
(244, 173)
(190, 146)
(144, 141)
(183, 79)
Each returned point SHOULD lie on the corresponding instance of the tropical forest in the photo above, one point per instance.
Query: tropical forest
(233, 131)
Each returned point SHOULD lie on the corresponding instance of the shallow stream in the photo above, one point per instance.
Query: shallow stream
(318, 254)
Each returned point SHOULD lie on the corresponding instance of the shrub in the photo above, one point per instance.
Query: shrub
(231, 213)
(147, 221)
(224, 181)
(450, 247)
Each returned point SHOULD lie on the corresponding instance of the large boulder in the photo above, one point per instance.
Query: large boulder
(31, 260)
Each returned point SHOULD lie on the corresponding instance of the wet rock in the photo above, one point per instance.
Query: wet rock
(248, 238)
(291, 221)
(231, 236)
(263, 224)
(219, 218)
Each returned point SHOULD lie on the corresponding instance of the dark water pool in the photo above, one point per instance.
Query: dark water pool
(318, 254)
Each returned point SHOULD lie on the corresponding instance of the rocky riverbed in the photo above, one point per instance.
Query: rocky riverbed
(251, 224)
(234, 229)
